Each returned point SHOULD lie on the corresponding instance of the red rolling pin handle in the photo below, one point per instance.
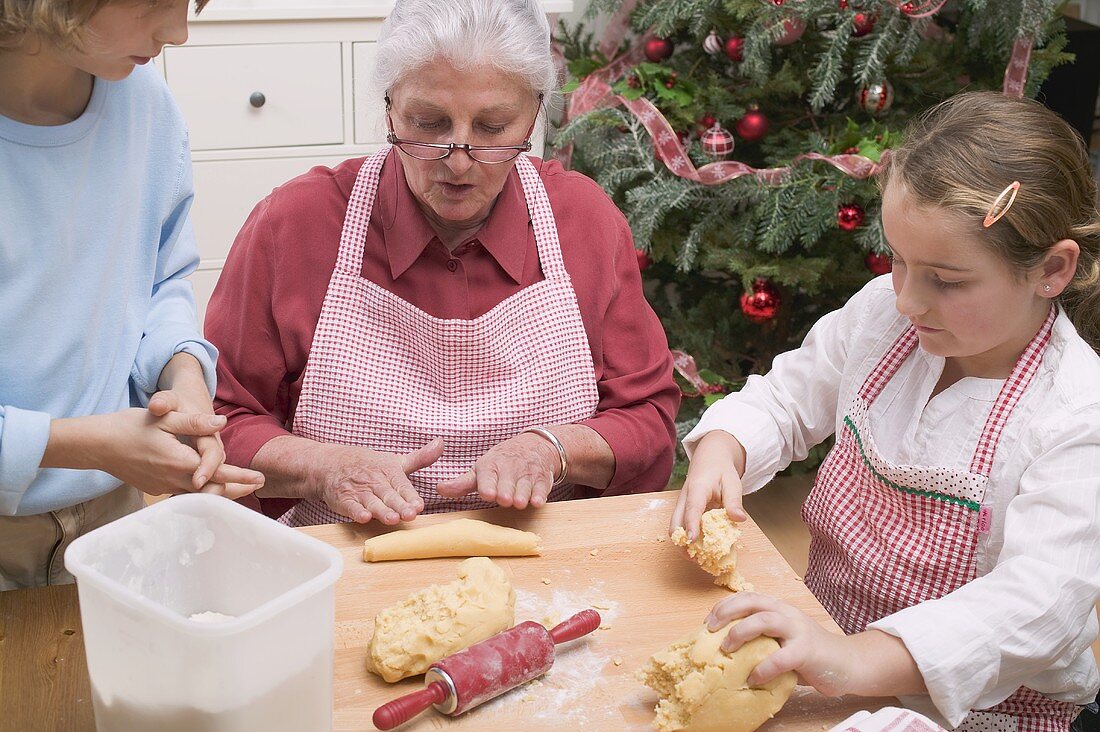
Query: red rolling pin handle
(397, 712)
(579, 625)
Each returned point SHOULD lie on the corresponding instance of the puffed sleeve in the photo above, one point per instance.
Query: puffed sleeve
(1030, 617)
(638, 396)
(780, 416)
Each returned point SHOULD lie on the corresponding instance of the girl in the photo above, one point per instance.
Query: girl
(95, 313)
(954, 523)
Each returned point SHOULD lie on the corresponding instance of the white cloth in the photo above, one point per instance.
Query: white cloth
(1028, 619)
(887, 719)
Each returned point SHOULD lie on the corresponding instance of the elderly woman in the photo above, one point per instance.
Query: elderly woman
(446, 324)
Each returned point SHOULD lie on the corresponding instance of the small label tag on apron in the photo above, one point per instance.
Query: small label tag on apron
(985, 520)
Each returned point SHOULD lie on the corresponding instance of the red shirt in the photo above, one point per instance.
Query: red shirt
(264, 310)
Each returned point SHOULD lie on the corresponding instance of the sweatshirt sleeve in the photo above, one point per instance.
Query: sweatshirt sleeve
(171, 325)
(23, 438)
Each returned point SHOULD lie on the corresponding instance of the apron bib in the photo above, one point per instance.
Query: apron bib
(885, 537)
(384, 374)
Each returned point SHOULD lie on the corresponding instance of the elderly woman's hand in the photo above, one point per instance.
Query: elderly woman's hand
(363, 484)
(517, 472)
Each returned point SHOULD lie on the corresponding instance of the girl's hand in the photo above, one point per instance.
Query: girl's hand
(821, 659)
(518, 472)
(212, 475)
(365, 484)
(714, 477)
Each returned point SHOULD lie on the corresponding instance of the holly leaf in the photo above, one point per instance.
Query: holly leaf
(582, 67)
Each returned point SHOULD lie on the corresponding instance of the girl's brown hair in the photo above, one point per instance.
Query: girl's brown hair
(60, 22)
(961, 154)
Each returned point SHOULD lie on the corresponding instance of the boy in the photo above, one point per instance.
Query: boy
(95, 316)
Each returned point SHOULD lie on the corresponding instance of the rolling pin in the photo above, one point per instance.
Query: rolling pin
(486, 670)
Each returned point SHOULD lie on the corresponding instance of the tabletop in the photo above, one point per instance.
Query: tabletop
(612, 554)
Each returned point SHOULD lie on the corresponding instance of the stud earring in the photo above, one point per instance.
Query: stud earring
(1046, 288)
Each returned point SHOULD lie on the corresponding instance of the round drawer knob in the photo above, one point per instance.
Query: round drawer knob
(257, 99)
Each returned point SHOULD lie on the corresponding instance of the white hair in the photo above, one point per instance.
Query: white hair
(510, 35)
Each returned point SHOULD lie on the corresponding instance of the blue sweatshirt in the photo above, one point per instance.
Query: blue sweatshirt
(95, 240)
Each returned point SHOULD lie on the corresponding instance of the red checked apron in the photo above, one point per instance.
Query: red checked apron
(885, 537)
(386, 375)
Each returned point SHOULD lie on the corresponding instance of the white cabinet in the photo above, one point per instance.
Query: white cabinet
(269, 89)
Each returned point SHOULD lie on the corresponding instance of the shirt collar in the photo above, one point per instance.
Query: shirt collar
(407, 232)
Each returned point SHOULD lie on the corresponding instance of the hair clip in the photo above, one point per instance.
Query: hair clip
(1011, 191)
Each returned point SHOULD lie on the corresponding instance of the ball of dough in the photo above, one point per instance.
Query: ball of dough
(716, 548)
(702, 688)
(441, 619)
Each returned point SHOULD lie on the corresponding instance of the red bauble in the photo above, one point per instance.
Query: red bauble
(717, 142)
(753, 126)
(658, 49)
(734, 46)
(879, 264)
(762, 304)
(793, 28)
(849, 216)
(643, 260)
(875, 99)
(863, 23)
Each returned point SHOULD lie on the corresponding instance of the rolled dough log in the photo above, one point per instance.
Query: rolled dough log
(458, 538)
(716, 548)
(703, 689)
(441, 619)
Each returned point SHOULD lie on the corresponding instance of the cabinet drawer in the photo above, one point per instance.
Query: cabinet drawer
(226, 191)
(267, 95)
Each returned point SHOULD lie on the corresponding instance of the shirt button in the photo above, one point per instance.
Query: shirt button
(452, 265)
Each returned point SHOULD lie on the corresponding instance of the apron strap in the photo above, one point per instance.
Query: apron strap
(888, 365)
(1011, 392)
(353, 238)
(542, 220)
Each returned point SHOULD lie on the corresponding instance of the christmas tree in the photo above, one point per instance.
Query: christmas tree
(741, 138)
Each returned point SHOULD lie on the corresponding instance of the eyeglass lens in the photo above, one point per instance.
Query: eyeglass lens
(428, 152)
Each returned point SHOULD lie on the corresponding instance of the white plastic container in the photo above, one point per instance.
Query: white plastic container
(143, 578)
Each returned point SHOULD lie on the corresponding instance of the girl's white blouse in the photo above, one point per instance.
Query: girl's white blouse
(1028, 618)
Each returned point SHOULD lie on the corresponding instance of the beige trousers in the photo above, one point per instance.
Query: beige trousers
(32, 548)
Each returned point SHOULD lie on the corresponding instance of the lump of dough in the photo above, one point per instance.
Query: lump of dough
(716, 548)
(441, 619)
(458, 538)
(703, 689)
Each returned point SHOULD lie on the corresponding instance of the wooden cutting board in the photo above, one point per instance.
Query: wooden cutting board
(609, 553)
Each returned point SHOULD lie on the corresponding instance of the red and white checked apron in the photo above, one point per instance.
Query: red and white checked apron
(384, 374)
(885, 537)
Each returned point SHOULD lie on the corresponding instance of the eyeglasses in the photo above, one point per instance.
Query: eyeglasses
(485, 154)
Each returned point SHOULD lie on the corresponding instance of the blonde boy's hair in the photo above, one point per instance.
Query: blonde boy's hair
(60, 22)
(960, 155)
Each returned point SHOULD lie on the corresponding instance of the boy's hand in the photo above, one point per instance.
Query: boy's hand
(714, 476)
(212, 474)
